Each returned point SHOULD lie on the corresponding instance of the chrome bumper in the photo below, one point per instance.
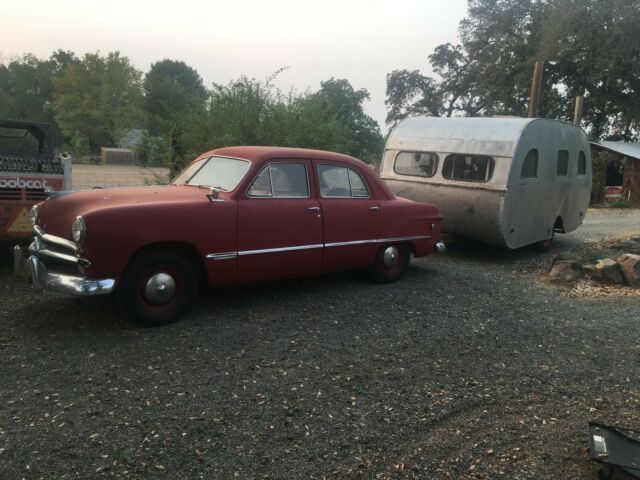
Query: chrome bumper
(441, 247)
(28, 264)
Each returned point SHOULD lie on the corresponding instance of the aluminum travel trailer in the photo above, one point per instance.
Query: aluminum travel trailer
(505, 181)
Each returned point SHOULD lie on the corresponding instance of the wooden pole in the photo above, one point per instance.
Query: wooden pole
(577, 114)
(536, 86)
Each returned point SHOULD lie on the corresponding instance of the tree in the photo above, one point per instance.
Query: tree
(590, 47)
(26, 85)
(98, 98)
(171, 88)
(333, 118)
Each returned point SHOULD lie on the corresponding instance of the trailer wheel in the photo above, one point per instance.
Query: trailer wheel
(390, 264)
(158, 287)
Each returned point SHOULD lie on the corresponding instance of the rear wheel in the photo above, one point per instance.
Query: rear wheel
(158, 287)
(390, 264)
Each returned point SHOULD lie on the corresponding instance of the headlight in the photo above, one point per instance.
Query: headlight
(33, 215)
(78, 230)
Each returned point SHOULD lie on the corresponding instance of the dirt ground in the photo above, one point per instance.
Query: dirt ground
(471, 366)
(91, 176)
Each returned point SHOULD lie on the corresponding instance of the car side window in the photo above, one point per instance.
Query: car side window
(562, 169)
(281, 180)
(339, 181)
(530, 165)
(582, 163)
(358, 187)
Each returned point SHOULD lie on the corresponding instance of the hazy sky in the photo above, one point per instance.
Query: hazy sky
(358, 40)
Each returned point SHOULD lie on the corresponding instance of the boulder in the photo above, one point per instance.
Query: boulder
(630, 267)
(608, 271)
(565, 271)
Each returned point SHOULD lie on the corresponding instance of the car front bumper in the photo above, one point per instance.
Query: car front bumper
(29, 263)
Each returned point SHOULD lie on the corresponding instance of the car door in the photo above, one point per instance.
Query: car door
(280, 224)
(351, 216)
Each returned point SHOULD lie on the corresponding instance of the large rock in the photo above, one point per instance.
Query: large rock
(608, 271)
(630, 266)
(565, 271)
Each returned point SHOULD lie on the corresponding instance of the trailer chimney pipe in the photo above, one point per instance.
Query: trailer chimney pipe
(536, 87)
(577, 114)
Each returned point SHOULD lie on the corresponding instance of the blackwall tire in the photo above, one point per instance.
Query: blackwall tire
(390, 264)
(157, 287)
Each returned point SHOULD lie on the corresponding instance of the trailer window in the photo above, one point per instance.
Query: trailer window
(563, 163)
(417, 164)
(530, 165)
(582, 163)
(469, 168)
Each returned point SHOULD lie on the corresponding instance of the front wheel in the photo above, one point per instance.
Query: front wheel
(158, 287)
(390, 264)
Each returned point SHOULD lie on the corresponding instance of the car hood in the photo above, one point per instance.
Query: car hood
(56, 214)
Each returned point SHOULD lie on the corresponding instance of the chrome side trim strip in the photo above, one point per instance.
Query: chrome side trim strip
(344, 244)
(231, 255)
(281, 249)
(403, 239)
(222, 256)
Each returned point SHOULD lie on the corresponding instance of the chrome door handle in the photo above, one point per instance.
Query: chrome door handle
(374, 208)
(314, 209)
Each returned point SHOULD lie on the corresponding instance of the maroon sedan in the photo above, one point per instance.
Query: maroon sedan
(234, 216)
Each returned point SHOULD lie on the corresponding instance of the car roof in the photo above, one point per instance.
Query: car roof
(261, 154)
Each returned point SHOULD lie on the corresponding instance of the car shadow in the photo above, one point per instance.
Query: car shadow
(55, 315)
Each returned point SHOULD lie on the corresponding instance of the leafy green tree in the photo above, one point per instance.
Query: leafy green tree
(98, 98)
(171, 88)
(590, 47)
(26, 85)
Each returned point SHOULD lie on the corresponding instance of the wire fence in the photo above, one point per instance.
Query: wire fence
(85, 177)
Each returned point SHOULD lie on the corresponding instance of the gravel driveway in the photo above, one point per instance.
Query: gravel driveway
(470, 367)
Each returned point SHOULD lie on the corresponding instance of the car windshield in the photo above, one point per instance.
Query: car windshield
(221, 173)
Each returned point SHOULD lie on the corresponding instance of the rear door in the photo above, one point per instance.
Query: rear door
(280, 232)
(351, 216)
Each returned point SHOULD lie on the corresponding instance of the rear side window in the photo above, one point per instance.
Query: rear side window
(417, 164)
(338, 181)
(582, 163)
(530, 165)
(283, 180)
(562, 169)
(468, 168)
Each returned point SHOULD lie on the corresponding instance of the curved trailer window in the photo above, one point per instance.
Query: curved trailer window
(468, 168)
(530, 165)
(582, 163)
(562, 169)
(416, 164)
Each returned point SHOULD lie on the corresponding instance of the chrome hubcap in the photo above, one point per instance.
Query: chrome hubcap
(390, 257)
(160, 288)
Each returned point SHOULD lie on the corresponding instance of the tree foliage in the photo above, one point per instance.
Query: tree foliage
(98, 98)
(93, 100)
(590, 47)
(170, 88)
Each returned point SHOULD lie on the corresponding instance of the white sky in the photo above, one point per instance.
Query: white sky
(358, 40)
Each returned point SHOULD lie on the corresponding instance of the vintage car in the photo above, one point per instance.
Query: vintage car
(236, 215)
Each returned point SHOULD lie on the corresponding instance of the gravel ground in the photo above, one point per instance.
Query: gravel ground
(470, 367)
